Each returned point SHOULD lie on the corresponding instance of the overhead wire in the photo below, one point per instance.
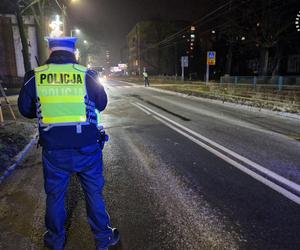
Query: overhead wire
(165, 43)
(201, 20)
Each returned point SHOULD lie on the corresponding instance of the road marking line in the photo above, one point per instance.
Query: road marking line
(239, 166)
(147, 112)
(130, 83)
(260, 168)
(234, 163)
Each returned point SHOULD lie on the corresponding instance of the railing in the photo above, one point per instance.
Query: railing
(278, 82)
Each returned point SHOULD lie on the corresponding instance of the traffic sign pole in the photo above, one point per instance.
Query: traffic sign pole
(207, 73)
(184, 64)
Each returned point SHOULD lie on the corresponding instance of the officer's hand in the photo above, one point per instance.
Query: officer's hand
(103, 138)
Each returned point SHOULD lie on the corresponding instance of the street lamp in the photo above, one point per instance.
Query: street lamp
(77, 31)
(63, 8)
(85, 42)
(55, 27)
(297, 21)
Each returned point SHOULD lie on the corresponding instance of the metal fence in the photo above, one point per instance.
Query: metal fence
(279, 82)
(274, 82)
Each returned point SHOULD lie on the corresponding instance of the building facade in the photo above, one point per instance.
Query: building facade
(146, 48)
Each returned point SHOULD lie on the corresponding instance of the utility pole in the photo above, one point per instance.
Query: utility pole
(64, 19)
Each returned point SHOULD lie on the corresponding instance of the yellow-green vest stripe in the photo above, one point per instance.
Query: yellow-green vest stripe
(57, 99)
(61, 91)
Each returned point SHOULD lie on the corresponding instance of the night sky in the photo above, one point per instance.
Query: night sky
(109, 21)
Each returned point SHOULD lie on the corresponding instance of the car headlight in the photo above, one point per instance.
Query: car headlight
(102, 79)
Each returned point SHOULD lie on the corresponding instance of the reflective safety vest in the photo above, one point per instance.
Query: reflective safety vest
(145, 74)
(61, 93)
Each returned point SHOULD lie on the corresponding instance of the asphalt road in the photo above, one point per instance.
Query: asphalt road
(180, 174)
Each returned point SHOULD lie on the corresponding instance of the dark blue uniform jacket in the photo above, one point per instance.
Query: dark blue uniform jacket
(63, 137)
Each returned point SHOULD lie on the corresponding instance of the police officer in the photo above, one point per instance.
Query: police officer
(146, 78)
(65, 97)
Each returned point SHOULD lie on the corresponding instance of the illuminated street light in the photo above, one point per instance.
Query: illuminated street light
(213, 32)
(63, 8)
(56, 27)
(85, 42)
(243, 38)
(297, 22)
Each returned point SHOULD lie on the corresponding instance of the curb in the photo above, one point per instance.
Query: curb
(20, 157)
(229, 104)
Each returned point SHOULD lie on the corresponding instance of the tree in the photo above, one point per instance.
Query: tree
(39, 9)
(266, 24)
(15, 6)
(229, 29)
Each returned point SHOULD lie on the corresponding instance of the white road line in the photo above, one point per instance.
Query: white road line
(234, 163)
(244, 169)
(130, 83)
(147, 112)
(255, 165)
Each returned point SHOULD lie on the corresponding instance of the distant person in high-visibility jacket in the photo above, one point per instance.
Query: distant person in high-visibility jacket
(146, 78)
(66, 97)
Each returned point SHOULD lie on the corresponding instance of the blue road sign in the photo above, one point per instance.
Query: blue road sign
(211, 54)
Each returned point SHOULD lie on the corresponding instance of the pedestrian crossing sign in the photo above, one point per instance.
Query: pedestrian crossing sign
(211, 57)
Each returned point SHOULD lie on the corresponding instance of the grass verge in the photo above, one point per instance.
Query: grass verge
(286, 100)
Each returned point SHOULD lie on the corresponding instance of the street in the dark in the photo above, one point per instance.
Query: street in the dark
(149, 124)
(166, 188)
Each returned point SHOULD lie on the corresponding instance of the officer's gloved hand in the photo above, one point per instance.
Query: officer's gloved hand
(103, 137)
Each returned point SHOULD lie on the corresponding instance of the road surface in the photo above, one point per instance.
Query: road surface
(181, 173)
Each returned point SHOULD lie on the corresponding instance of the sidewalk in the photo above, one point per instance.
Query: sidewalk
(14, 135)
(22, 206)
